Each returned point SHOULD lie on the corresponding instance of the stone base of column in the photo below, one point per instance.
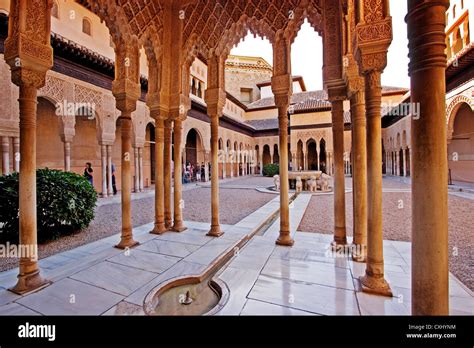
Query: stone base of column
(338, 241)
(375, 285)
(178, 227)
(285, 240)
(128, 242)
(30, 282)
(159, 228)
(215, 231)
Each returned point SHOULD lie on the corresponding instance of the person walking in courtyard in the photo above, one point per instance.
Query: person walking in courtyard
(114, 185)
(88, 173)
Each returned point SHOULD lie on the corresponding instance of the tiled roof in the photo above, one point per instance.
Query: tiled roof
(313, 100)
(269, 123)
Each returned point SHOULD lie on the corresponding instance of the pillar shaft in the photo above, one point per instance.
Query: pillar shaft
(16, 153)
(6, 155)
(127, 240)
(140, 168)
(137, 175)
(67, 156)
(426, 33)
(337, 113)
(103, 153)
(215, 230)
(167, 173)
(159, 178)
(285, 236)
(374, 280)
(109, 171)
(29, 273)
(359, 175)
(178, 225)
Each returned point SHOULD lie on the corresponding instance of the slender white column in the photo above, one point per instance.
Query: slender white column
(6, 155)
(103, 152)
(16, 153)
(109, 171)
(137, 178)
(67, 156)
(140, 168)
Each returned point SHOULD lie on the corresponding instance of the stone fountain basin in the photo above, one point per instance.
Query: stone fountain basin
(208, 295)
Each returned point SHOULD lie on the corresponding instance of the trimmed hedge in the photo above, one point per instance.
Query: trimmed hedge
(271, 169)
(65, 203)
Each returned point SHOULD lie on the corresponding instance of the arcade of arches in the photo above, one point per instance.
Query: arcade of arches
(164, 121)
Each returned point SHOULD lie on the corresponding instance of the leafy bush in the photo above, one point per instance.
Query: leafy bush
(271, 169)
(65, 203)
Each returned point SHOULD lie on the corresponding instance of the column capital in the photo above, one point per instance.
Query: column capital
(126, 86)
(373, 35)
(215, 100)
(28, 49)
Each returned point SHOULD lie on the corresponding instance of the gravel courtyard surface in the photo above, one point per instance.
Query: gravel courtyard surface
(235, 204)
(319, 217)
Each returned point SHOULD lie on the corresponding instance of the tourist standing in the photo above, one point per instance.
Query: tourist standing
(88, 173)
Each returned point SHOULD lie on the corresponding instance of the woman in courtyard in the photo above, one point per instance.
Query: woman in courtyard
(88, 173)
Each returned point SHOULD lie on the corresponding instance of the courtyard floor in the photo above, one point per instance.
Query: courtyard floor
(396, 204)
(262, 278)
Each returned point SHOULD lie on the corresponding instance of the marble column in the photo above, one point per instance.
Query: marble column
(109, 171)
(224, 165)
(178, 225)
(261, 162)
(206, 167)
(67, 156)
(404, 163)
(16, 153)
(103, 153)
(318, 153)
(215, 230)
(337, 113)
(430, 273)
(137, 175)
(29, 277)
(6, 155)
(167, 173)
(285, 236)
(373, 281)
(126, 239)
(359, 175)
(159, 227)
(140, 168)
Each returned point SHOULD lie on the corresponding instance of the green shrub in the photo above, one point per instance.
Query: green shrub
(65, 203)
(271, 169)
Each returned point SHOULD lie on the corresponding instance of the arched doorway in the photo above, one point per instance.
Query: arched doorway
(194, 154)
(402, 167)
(299, 156)
(49, 147)
(322, 156)
(312, 154)
(461, 146)
(266, 155)
(276, 155)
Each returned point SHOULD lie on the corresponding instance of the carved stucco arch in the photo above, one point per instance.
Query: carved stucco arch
(113, 17)
(452, 110)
